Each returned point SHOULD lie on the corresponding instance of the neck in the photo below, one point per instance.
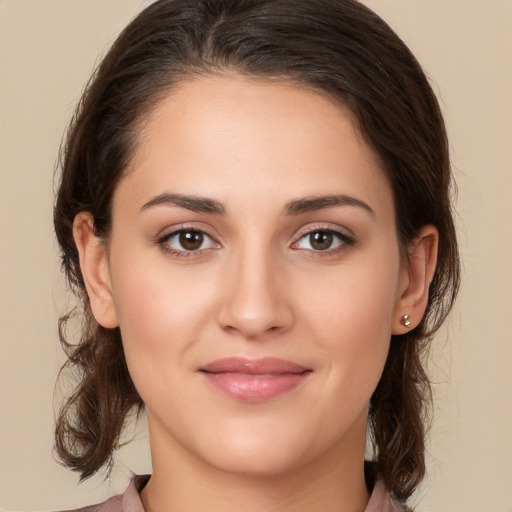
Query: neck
(333, 482)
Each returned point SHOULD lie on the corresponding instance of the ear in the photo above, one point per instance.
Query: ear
(417, 274)
(95, 270)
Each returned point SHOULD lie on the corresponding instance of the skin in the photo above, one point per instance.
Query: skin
(257, 287)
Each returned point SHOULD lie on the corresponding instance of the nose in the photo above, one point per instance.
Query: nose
(255, 301)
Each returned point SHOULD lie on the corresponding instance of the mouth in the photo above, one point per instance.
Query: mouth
(254, 380)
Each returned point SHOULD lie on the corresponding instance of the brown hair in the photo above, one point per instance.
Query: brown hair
(339, 48)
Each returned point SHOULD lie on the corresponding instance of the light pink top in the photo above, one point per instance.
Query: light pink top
(129, 501)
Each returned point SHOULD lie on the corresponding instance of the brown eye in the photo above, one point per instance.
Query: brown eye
(321, 240)
(185, 242)
(191, 240)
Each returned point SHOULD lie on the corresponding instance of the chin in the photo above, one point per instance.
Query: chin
(257, 463)
(261, 448)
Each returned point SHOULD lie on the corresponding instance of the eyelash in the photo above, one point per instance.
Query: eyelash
(345, 241)
(163, 241)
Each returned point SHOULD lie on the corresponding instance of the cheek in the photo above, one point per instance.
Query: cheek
(159, 318)
(352, 318)
(160, 311)
(359, 296)
(150, 294)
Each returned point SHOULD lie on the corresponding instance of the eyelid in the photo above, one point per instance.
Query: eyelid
(346, 236)
(335, 228)
(170, 230)
(168, 233)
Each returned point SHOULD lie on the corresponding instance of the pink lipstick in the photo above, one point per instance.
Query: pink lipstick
(254, 380)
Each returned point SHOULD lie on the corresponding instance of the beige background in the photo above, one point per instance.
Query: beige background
(47, 51)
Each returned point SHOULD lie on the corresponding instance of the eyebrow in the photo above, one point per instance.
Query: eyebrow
(295, 207)
(192, 203)
(315, 203)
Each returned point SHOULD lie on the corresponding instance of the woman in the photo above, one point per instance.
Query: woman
(254, 211)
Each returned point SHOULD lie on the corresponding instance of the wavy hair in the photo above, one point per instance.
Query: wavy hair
(338, 48)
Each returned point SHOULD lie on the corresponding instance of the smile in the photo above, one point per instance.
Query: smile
(254, 380)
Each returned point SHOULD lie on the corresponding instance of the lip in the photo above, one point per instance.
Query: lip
(254, 380)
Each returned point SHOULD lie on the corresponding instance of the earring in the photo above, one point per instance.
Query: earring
(405, 321)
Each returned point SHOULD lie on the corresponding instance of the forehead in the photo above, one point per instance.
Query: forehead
(232, 137)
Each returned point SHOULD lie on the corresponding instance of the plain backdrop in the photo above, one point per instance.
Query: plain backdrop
(48, 49)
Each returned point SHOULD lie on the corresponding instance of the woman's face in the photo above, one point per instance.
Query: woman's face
(255, 274)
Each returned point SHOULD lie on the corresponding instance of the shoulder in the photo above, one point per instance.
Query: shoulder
(381, 500)
(129, 501)
(114, 504)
